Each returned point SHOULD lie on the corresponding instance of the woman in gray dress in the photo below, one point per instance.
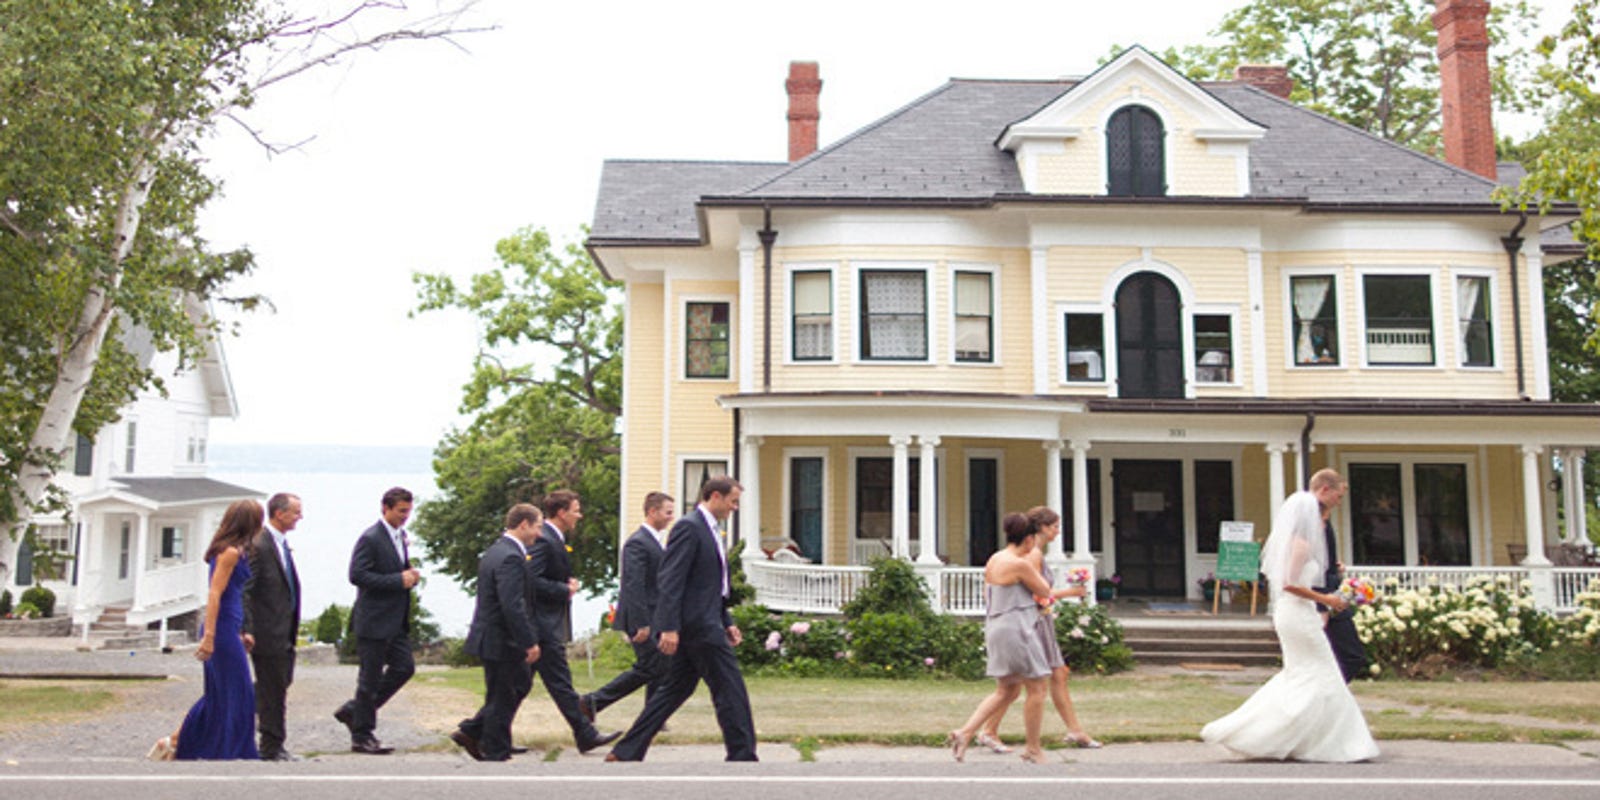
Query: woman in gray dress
(1017, 658)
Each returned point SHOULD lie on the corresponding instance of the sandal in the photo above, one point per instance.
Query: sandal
(957, 742)
(1081, 740)
(1033, 756)
(163, 750)
(992, 742)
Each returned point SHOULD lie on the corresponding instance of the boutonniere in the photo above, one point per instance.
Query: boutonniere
(569, 548)
(527, 558)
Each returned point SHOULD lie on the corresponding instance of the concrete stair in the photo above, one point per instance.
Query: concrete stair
(111, 631)
(1221, 642)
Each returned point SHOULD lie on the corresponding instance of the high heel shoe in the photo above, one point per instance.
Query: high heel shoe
(992, 742)
(1033, 756)
(163, 750)
(957, 742)
(1082, 741)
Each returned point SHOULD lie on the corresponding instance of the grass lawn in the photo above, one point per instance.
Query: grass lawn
(1120, 708)
(29, 702)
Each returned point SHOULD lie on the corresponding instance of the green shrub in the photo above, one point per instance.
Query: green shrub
(756, 623)
(27, 610)
(893, 587)
(1091, 641)
(957, 647)
(1487, 624)
(41, 599)
(894, 644)
(331, 623)
(454, 655)
(5, 602)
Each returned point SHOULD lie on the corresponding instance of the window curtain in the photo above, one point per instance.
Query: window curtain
(813, 315)
(973, 313)
(896, 308)
(1470, 294)
(1309, 295)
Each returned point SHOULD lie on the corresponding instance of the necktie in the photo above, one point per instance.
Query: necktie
(294, 579)
(405, 549)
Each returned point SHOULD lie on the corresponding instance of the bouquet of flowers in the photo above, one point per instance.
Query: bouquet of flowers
(1078, 576)
(1357, 591)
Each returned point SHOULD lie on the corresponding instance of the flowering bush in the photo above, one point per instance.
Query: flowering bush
(1091, 641)
(1484, 624)
(1583, 627)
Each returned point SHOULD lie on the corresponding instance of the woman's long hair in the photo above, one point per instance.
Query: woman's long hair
(240, 524)
(1017, 528)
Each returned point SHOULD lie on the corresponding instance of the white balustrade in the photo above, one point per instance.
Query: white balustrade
(804, 588)
(1571, 582)
(160, 588)
(963, 591)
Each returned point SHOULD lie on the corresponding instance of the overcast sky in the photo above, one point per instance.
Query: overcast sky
(425, 155)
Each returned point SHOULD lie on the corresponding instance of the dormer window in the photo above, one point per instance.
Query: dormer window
(1135, 154)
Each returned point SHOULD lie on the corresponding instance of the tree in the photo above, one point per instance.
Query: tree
(103, 108)
(547, 423)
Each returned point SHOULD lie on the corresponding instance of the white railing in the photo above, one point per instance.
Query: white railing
(166, 588)
(1418, 577)
(1400, 345)
(1571, 582)
(804, 588)
(862, 551)
(961, 588)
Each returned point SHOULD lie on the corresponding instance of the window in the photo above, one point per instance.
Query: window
(1213, 502)
(133, 437)
(1472, 317)
(1377, 528)
(813, 316)
(894, 315)
(1213, 348)
(1086, 347)
(1067, 500)
(974, 328)
(695, 475)
(875, 499)
(1411, 512)
(83, 456)
(805, 506)
(122, 551)
(1399, 315)
(172, 542)
(1442, 527)
(1135, 154)
(1315, 303)
(706, 343)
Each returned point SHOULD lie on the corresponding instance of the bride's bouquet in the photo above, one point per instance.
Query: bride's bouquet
(1358, 591)
(1078, 576)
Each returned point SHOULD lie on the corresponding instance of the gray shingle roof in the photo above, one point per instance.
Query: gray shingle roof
(942, 146)
(184, 490)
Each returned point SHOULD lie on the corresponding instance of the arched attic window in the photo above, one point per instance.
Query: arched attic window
(1135, 154)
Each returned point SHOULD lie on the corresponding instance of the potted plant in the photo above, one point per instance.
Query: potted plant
(1106, 588)
(1208, 586)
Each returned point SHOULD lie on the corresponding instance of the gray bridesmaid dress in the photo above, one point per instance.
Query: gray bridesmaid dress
(1011, 634)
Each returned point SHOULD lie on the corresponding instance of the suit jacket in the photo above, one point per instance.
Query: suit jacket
(1331, 577)
(271, 598)
(383, 603)
(549, 569)
(689, 589)
(502, 629)
(641, 561)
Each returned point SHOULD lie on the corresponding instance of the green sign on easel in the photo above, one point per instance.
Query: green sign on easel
(1238, 559)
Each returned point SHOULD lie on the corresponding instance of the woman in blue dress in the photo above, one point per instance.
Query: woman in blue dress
(221, 724)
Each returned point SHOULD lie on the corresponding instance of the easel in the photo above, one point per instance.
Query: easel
(1216, 596)
(1238, 559)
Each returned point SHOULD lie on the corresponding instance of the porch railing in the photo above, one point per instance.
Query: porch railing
(1418, 577)
(962, 591)
(161, 589)
(1571, 582)
(804, 588)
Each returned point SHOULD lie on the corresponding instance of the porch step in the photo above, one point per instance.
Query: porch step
(138, 639)
(1152, 646)
(1202, 640)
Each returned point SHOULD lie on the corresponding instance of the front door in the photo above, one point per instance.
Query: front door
(1149, 526)
(1149, 337)
(983, 509)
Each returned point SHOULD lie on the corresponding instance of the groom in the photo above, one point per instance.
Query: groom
(1329, 487)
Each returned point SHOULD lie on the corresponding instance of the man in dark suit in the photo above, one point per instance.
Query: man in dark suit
(380, 568)
(1329, 488)
(641, 559)
(503, 636)
(551, 587)
(693, 626)
(272, 621)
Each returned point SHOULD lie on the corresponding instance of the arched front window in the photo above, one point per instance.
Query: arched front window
(1135, 157)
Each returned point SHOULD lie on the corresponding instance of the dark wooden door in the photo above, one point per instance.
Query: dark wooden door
(1149, 526)
(983, 510)
(1149, 337)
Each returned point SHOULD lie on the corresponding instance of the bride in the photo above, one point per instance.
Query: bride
(1304, 712)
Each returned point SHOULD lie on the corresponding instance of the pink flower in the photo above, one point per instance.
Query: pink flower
(800, 628)
(774, 641)
(927, 662)
(838, 654)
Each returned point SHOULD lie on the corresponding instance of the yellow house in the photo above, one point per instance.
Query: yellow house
(1152, 304)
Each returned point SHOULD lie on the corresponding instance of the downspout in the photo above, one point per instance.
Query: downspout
(1305, 447)
(738, 519)
(1513, 245)
(768, 236)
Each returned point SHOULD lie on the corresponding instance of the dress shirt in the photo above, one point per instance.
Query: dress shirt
(517, 542)
(722, 550)
(398, 536)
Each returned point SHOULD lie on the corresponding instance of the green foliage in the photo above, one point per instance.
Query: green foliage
(331, 623)
(5, 602)
(874, 645)
(1091, 641)
(27, 610)
(739, 589)
(40, 598)
(455, 656)
(424, 631)
(893, 587)
(549, 423)
(1487, 624)
(1572, 302)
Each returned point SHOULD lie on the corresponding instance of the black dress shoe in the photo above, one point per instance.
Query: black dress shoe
(279, 755)
(517, 751)
(467, 743)
(586, 708)
(371, 747)
(598, 740)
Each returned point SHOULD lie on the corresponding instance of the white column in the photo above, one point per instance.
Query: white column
(1080, 501)
(900, 514)
(1572, 496)
(1532, 510)
(750, 498)
(141, 549)
(1275, 477)
(1052, 498)
(927, 504)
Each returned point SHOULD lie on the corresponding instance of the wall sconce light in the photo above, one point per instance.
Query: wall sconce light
(1555, 484)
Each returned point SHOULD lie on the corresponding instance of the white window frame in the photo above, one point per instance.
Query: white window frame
(1230, 311)
(833, 271)
(681, 336)
(942, 467)
(789, 455)
(993, 271)
(1062, 310)
(1432, 274)
(1291, 335)
(130, 444)
(689, 498)
(858, 326)
(1491, 292)
(1408, 499)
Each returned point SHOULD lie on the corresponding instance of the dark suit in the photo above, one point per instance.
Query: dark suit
(550, 597)
(381, 623)
(1341, 627)
(691, 602)
(641, 561)
(502, 630)
(271, 602)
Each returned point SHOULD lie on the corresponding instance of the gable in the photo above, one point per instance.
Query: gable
(1062, 147)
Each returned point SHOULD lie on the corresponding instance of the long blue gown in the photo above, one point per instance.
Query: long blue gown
(222, 723)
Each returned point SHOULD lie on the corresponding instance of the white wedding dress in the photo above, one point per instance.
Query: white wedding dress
(1305, 712)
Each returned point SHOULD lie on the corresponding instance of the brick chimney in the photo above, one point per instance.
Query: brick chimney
(1464, 84)
(1269, 78)
(804, 86)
